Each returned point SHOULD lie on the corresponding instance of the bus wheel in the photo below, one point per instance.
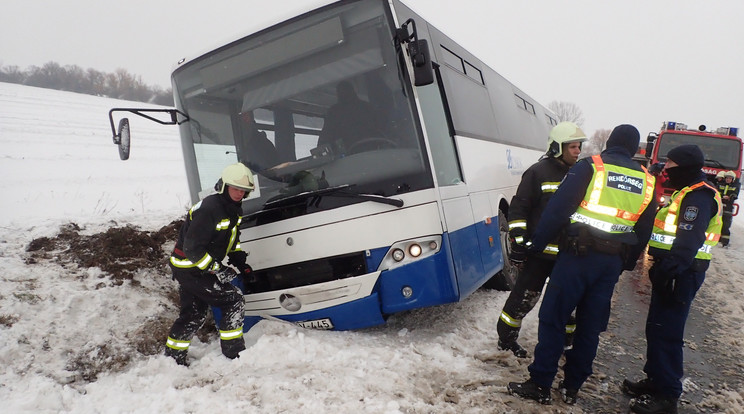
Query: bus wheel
(507, 277)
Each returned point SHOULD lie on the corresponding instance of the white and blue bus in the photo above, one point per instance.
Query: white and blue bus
(400, 206)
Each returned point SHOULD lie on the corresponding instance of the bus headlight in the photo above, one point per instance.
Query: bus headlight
(407, 291)
(407, 251)
(414, 250)
(398, 255)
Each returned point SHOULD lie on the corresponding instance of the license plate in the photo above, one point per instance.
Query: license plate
(316, 324)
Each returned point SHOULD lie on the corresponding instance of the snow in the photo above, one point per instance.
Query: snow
(59, 166)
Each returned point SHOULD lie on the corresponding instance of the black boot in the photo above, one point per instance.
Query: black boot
(568, 395)
(530, 390)
(648, 404)
(638, 388)
(514, 347)
(179, 356)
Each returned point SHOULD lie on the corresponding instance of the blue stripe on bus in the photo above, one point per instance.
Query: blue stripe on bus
(431, 279)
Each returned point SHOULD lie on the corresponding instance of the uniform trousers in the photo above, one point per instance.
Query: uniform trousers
(585, 283)
(665, 329)
(198, 290)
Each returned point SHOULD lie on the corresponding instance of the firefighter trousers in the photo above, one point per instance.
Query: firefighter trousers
(523, 298)
(665, 328)
(198, 291)
(584, 283)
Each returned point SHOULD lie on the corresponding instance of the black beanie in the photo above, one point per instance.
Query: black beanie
(624, 136)
(687, 156)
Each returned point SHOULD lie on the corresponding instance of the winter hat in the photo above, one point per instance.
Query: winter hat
(625, 136)
(687, 156)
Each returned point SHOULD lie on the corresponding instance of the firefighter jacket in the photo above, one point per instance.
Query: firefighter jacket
(610, 197)
(538, 184)
(690, 225)
(209, 233)
(731, 190)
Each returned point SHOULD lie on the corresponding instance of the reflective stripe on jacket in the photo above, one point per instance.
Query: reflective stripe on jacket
(615, 198)
(667, 220)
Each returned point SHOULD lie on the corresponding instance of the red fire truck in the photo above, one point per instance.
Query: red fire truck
(722, 149)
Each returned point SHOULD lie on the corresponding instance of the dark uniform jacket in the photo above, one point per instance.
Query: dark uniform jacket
(691, 229)
(209, 229)
(538, 184)
(731, 190)
(573, 189)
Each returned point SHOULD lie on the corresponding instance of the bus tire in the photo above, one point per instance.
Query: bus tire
(506, 278)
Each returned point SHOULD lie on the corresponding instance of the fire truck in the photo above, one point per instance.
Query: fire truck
(722, 148)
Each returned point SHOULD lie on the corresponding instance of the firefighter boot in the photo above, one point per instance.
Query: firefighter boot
(514, 347)
(179, 356)
(530, 390)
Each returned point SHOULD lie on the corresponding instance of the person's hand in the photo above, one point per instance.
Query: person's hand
(518, 256)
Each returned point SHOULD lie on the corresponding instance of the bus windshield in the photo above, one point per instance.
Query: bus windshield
(719, 152)
(320, 101)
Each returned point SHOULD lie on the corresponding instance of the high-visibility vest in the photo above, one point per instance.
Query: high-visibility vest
(615, 198)
(665, 224)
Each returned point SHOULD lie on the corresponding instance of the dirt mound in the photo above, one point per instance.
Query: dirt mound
(119, 251)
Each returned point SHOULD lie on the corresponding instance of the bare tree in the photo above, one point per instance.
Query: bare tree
(567, 111)
(596, 143)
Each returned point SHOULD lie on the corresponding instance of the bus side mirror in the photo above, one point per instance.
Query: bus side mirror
(423, 72)
(122, 139)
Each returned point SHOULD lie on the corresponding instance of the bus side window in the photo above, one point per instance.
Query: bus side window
(441, 141)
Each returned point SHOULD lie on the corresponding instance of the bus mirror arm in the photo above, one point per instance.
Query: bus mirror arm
(423, 71)
(121, 137)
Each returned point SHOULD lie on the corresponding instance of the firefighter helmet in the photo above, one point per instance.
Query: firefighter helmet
(563, 133)
(720, 175)
(730, 174)
(236, 175)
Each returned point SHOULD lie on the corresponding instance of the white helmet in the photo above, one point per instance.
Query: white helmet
(720, 175)
(236, 175)
(564, 133)
(730, 174)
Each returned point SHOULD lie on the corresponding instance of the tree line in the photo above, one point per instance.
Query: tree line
(72, 78)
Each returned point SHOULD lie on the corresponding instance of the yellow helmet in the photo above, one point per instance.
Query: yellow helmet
(720, 175)
(236, 175)
(564, 133)
(730, 173)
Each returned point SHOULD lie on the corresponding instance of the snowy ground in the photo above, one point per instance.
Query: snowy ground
(73, 339)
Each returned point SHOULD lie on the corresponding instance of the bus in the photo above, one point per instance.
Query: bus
(399, 206)
(722, 148)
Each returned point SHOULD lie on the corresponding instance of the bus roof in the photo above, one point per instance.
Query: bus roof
(256, 23)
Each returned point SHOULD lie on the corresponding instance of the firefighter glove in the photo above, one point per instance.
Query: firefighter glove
(237, 258)
(518, 255)
(226, 274)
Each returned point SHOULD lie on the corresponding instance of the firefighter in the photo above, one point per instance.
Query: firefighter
(210, 232)
(684, 234)
(728, 186)
(604, 209)
(538, 184)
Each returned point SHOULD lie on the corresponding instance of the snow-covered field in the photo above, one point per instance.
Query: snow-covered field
(71, 337)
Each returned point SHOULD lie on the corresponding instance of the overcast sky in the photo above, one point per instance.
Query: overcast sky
(636, 61)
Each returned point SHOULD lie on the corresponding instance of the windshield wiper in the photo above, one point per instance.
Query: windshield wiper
(337, 191)
(714, 162)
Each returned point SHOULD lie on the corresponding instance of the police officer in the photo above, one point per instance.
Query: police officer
(683, 236)
(605, 208)
(728, 186)
(210, 232)
(538, 184)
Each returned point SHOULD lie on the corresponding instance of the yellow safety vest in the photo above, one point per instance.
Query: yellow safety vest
(665, 224)
(616, 198)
